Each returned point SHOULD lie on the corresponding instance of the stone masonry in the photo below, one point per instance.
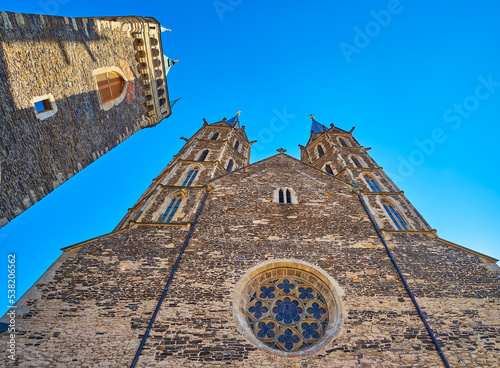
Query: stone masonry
(56, 58)
(92, 307)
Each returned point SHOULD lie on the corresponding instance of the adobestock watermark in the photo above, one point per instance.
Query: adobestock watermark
(277, 124)
(11, 314)
(455, 115)
(363, 35)
(51, 7)
(223, 6)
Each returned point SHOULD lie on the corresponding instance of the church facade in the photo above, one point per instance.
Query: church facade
(72, 89)
(317, 262)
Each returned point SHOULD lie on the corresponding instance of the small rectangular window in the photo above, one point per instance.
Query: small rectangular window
(42, 106)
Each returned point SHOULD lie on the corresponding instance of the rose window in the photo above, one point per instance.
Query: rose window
(287, 313)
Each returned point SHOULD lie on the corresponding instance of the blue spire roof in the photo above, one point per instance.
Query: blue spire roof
(316, 127)
(235, 121)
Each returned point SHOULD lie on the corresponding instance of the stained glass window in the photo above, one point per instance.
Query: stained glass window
(236, 145)
(215, 136)
(171, 209)
(328, 169)
(190, 177)
(342, 142)
(287, 313)
(372, 183)
(393, 214)
(230, 165)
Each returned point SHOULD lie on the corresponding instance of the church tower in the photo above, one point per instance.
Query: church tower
(72, 89)
(318, 262)
(338, 153)
(214, 150)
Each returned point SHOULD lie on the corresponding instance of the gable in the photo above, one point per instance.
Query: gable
(283, 169)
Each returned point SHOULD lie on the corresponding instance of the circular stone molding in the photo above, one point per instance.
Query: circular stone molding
(288, 307)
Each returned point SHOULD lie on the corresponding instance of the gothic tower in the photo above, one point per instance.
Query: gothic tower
(214, 150)
(72, 89)
(338, 153)
(319, 262)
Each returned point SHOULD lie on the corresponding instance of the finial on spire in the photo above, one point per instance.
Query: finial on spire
(315, 126)
(281, 150)
(173, 102)
(239, 112)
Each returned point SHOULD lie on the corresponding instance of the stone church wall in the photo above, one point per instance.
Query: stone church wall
(97, 304)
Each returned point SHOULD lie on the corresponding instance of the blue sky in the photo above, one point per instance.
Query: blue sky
(419, 79)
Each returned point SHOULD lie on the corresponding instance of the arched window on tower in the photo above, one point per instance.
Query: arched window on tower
(329, 170)
(190, 177)
(203, 155)
(393, 214)
(110, 86)
(288, 197)
(281, 197)
(214, 136)
(321, 152)
(372, 183)
(171, 209)
(355, 161)
(342, 142)
(230, 165)
(236, 145)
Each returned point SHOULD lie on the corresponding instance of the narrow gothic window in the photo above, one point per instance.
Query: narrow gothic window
(203, 155)
(110, 86)
(342, 142)
(190, 177)
(171, 209)
(236, 145)
(320, 151)
(372, 183)
(288, 196)
(215, 136)
(230, 165)
(356, 161)
(329, 170)
(138, 215)
(280, 196)
(393, 214)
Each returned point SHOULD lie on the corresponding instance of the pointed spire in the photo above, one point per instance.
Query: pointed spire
(173, 102)
(235, 122)
(168, 63)
(315, 126)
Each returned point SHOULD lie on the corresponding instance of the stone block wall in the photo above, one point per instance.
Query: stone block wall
(47, 55)
(93, 307)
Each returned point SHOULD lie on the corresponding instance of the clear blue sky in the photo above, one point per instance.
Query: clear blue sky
(429, 72)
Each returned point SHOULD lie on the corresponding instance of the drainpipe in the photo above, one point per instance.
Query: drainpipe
(429, 330)
(153, 317)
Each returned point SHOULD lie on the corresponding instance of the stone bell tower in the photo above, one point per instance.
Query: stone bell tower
(215, 149)
(72, 89)
(338, 153)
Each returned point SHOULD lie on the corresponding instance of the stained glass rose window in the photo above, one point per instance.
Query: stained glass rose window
(287, 313)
